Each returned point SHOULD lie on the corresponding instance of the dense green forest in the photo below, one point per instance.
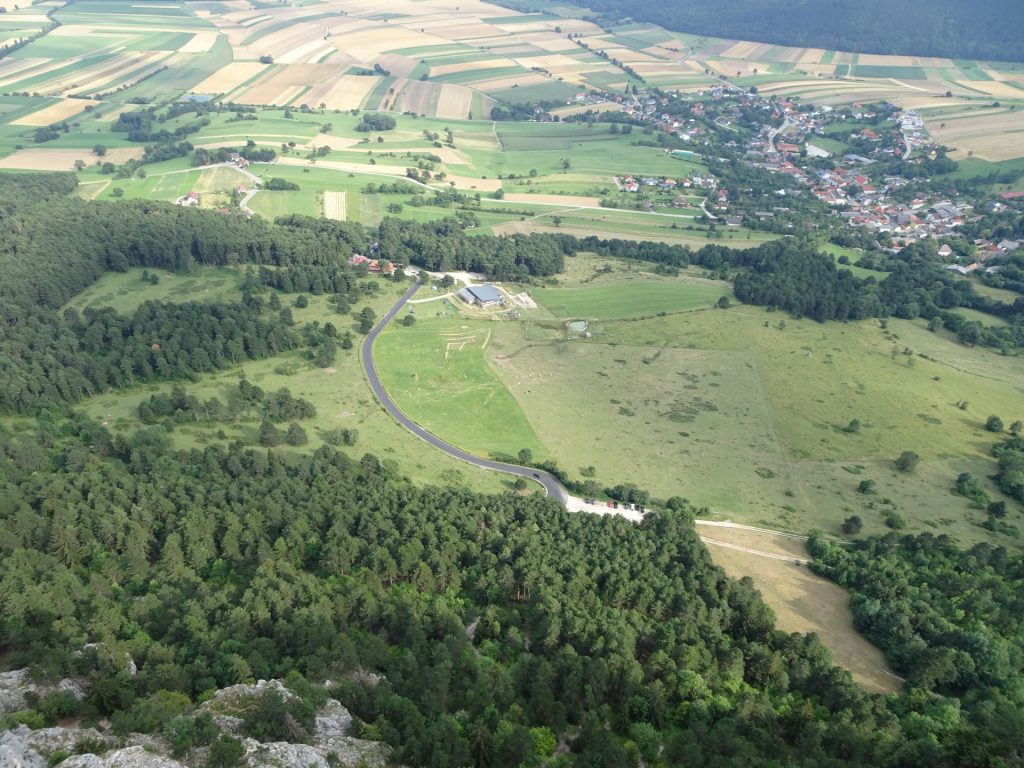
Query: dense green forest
(986, 29)
(216, 566)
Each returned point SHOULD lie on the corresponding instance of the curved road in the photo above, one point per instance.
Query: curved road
(551, 485)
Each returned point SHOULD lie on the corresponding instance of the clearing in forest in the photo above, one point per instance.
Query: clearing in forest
(802, 600)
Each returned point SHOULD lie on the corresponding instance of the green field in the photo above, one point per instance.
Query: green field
(126, 290)
(438, 374)
(341, 394)
(612, 302)
(742, 410)
(270, 205)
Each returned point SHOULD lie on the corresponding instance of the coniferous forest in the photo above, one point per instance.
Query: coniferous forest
(497, 630)
(980, 30)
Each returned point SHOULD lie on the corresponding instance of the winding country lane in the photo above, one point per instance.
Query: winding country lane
(551, 485)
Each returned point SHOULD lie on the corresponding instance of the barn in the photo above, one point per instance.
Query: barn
(482, 295)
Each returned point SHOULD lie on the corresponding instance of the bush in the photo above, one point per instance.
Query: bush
(183, 733)
(894, 521)
(226, 752)
(296, 435)
(907, 462)
(994, 424)
(852, 525)
(274, 718)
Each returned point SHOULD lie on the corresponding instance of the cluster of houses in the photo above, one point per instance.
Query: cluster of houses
(906, 222)
(986, 253)
(379, 266)
(656, 184)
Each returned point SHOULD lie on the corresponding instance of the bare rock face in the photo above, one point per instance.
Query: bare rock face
(130, 757)
(331, 735)
(14, 685)
(16, 753)
(236, 698)
(24, 748)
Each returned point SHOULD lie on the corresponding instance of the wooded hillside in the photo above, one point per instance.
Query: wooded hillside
(986, 29)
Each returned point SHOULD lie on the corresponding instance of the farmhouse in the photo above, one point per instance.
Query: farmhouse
(481, 295)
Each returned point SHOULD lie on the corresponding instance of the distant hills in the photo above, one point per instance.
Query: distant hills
(969, 29)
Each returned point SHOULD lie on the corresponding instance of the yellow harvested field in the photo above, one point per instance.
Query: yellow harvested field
(397, 65)
(255, 20)
(275, 95)
(549, 61)
(413, 96)
(455, 102)
(468, 66)
(201, 42)
(334, 142)
(802, 601)
(735, 67)
(348, 92)
(981, 122)
(365, 45)
(230, 77)
(554, 44)
(566, 200)
(464, 29)
(54, 113)
(334, 205)
(505, 83)
(993, 147)
(37, 68)
(112, 75)
(63, 159)
(811, 56)
(1002, 90)
(9, 67)
(740, 50)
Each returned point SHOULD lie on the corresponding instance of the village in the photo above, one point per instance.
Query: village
(782, 141)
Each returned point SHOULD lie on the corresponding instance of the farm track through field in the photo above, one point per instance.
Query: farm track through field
(748, 550)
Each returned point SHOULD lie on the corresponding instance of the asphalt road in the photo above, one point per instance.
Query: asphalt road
(551, 485)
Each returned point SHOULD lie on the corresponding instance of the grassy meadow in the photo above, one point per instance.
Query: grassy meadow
(340, 393)
(743, 411)
(437, 371)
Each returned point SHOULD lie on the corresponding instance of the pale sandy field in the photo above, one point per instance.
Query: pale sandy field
(54, 113)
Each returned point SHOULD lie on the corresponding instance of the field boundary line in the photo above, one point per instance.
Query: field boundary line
(748, 550)
(740, 526)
